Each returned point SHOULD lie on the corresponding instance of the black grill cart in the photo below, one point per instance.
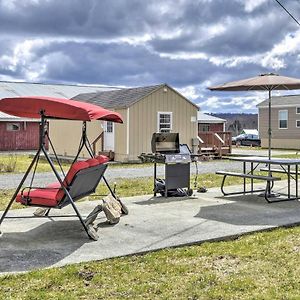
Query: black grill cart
(176, 158)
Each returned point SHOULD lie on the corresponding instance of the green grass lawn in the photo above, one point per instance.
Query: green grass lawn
(19, 163)
(257, 266)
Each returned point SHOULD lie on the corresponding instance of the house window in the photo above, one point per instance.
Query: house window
(204, 127)
(283, 119)
(164, 122)
(298, 123)
(297, 110)
(13, 127)
(109, 126)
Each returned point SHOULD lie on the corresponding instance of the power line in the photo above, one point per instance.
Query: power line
(288, 12)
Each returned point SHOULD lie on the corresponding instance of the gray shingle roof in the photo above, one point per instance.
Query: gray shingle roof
(15, 89)
(206, 118)
(8, 118)
(288, 100)
(121, 98)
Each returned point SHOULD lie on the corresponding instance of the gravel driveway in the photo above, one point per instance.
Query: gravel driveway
(10, 181)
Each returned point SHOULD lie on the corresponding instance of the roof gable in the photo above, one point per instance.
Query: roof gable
(288, 100)
(250, 131)
(117, 98)
(123, 98)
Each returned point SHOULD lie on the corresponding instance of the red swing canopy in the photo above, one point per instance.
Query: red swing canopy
(56, 108)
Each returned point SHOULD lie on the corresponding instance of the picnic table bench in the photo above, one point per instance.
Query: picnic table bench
(269, 179)
(292, 172)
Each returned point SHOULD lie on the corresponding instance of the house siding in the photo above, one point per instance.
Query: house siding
(121, 136)
(65, 136)
(281, 138)
(143, 120)
(282, 144)
(212, 126)
(27, 138)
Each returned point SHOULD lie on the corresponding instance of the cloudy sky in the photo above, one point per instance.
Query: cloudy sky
(189, 44)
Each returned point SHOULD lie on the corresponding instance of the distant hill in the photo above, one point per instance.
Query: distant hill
(237, 122)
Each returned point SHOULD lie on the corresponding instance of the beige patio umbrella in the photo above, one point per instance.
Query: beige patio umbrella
(264, 82)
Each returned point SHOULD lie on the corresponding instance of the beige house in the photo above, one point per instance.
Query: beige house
(285, 122)
(145, 110)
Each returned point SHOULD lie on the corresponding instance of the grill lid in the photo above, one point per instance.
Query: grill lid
(165, 142)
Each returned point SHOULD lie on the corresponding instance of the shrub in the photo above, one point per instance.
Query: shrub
(10, 165)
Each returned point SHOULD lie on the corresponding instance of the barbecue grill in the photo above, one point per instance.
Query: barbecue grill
(176, 157)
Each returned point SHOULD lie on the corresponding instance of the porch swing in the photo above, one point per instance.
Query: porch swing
(82, 178)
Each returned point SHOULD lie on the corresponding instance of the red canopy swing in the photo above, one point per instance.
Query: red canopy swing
(83, 177)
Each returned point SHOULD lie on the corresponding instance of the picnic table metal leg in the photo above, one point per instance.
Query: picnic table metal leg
(154, 177)
(296, 177)
(244, 170)
(252, 178)
(267, 191)
(289, 181)
(241, 192)
(222, 185)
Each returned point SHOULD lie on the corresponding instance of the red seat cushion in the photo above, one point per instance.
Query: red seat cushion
(46, 197)
(53, 193)
(75, 168)
(54, 185)
(92, 162)
(102, 159)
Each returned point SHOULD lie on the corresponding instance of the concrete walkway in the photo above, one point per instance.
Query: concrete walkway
(152, 224)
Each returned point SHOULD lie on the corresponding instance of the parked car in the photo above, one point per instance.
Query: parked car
(246, 140)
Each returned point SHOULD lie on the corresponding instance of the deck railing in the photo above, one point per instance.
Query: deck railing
(94, 143)
(218, 142)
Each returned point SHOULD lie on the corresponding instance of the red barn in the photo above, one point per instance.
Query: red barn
(18, 133)
(208, 122)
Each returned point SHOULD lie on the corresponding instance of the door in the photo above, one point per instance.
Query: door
(109, 136)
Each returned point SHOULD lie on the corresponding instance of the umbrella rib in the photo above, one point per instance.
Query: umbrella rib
(262, 86)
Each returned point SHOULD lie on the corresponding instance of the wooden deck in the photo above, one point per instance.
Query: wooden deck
(215, 144)
(98, 147)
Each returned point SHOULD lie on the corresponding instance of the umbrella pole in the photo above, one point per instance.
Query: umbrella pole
(269, 191)
(269, 130)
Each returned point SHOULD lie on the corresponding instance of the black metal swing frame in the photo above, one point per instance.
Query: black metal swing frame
(84, 183)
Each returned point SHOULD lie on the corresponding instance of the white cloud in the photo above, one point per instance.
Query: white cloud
(230, 104)
(184, 55)
(21, 55)
(211, 102)
(273, 62)
(251, 5)
(14, 4)
(189, 92)
(190, 45)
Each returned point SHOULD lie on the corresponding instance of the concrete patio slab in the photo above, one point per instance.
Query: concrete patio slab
(153, 223)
